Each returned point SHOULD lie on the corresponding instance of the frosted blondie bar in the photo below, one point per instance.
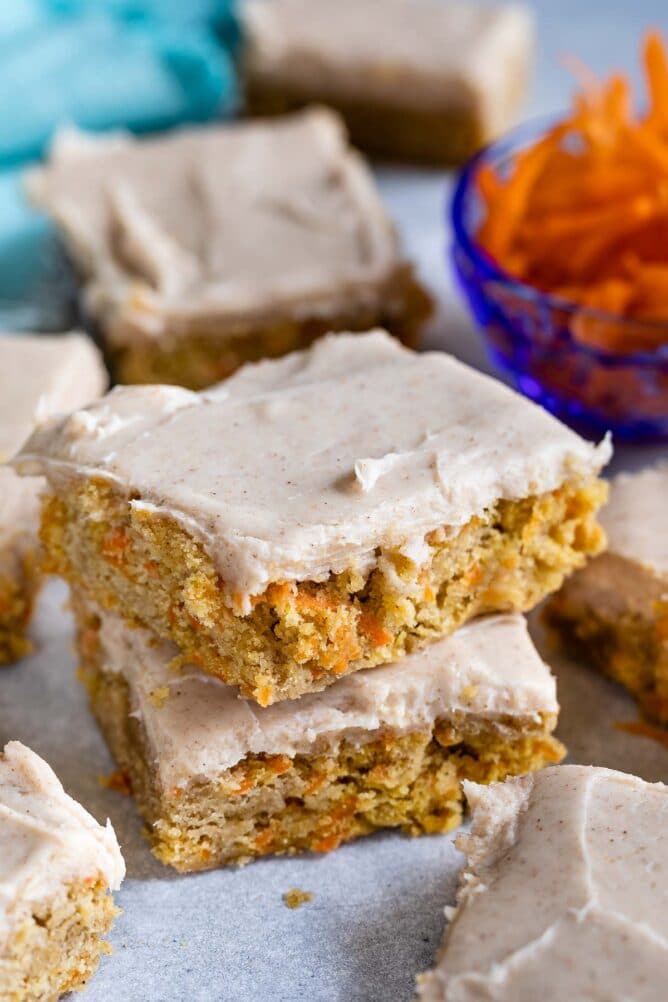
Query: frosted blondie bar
(614, 612)
(39, 375)
(415, 80)
(562, 896)
(57, 869)
(220, 780)
(318, 514)
(215, 246)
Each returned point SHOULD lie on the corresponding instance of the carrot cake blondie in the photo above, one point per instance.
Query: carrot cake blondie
(563, 895)
(57, 869)
(215, 246)
(220, 780)
(39, 375)
(317, 514)
(416, 80)
(614, 612)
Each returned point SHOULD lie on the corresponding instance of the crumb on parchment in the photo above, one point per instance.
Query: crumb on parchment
(295, 897)
(117, 780)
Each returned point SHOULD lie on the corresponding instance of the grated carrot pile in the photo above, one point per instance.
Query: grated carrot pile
(583, 213)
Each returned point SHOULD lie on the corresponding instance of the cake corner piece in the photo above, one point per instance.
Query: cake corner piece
(520, 910)
(40, 374)
(59, 869)
(613, 613)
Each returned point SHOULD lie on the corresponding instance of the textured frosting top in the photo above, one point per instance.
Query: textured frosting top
(237, 221)
(564, 895)
(47, 839)
(297, 467)
(636, 517)
(198, 726)
(40, 375)
(408, 51)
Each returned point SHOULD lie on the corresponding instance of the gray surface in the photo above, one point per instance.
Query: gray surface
(377, 913)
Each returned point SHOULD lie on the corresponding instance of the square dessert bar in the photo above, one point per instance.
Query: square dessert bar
(614, 612)
(57, 868)
(39, 375)
(318, 514)
(563, 895)
(416, 80)
(215, 246)
(220, 780)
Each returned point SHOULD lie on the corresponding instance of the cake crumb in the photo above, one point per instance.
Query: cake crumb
(295, 897)
(118, 780)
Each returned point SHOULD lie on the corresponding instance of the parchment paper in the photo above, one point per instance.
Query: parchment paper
(377, 913)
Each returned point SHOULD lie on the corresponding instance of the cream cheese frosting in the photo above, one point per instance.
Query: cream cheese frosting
(47, 839)
(564, 893)
(40, 375)
(412, 52)
(234, 223)
(636, 518)
(318, 461)
(198, 727)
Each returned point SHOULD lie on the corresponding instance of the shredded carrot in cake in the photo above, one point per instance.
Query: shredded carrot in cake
(583, 213)
(279, 764)
(328, 843)
(371, 627)
(114, 545)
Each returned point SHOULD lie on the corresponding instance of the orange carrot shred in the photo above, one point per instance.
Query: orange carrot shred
(583, 212)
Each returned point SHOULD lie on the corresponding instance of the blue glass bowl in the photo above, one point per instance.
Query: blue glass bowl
(529, 334)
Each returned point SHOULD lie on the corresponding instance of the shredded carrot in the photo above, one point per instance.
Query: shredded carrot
(371, 627)
(265, 694)
(278, 594)
(310, 603)
(279, 764)
(263, 840)
(245, 784)
(583, 212)
(114, 545)
(316, 784)
(327, 843)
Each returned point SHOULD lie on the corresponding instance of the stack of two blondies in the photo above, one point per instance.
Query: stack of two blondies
(272, 579)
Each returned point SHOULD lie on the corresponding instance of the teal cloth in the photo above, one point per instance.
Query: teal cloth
(107, 64)
(145, 65)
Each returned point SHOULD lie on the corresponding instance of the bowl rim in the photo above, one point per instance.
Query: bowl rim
(464, 240)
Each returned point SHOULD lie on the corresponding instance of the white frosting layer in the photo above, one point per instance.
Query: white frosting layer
(40, 375)
(227, 225)
(636, 517)
(297, 467)
(412, 53)
(47, 840)
(197, 726)
(564, 895)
